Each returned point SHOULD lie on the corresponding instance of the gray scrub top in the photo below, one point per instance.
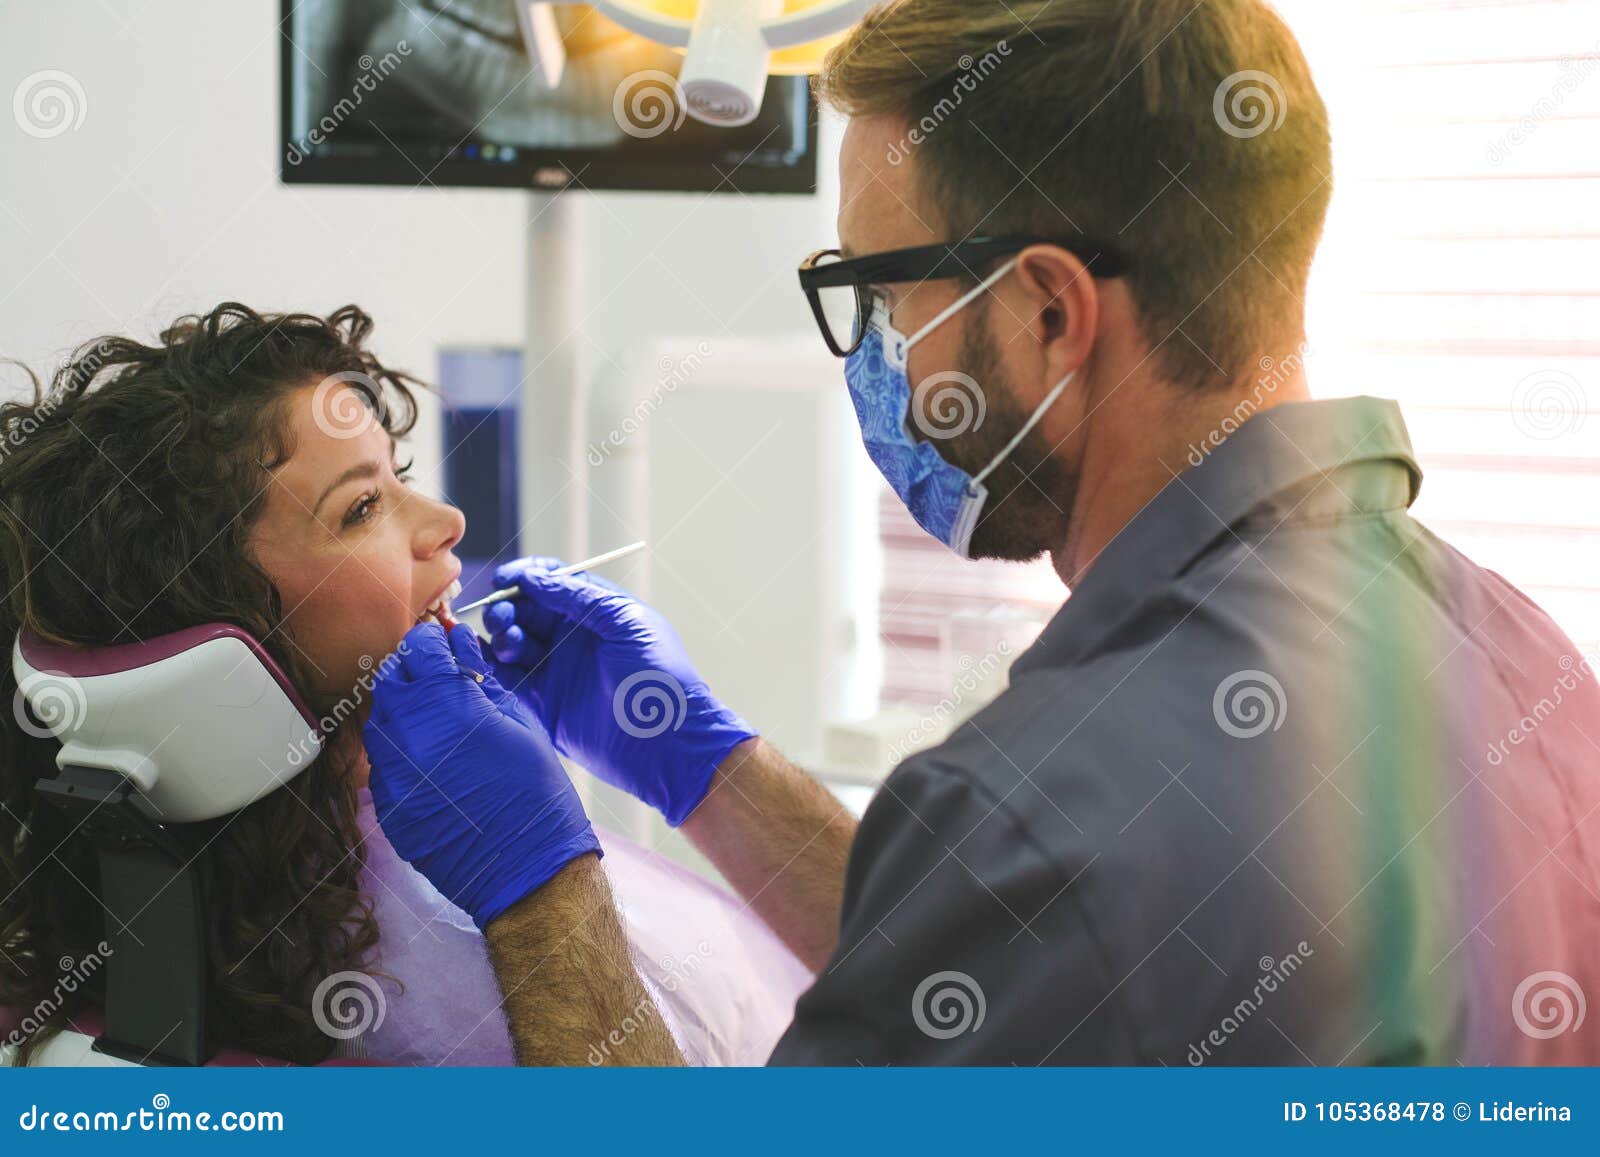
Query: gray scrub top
(1287, 780)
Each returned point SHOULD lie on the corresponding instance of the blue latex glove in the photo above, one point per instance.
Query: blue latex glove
(466, 785)
(609, 679)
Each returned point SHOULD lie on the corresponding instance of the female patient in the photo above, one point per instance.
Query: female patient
(245, 471)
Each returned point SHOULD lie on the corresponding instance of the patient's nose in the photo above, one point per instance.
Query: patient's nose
(441, 529)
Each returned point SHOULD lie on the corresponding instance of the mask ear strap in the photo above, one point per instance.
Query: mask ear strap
(962, 304)
(1038, 414)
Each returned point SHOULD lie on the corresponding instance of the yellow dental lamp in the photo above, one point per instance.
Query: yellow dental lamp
(730, 46)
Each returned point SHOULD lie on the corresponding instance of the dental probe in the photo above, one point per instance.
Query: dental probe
(574, 568)
(447, 618)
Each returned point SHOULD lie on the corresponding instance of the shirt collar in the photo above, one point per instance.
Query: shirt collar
(1276, 466)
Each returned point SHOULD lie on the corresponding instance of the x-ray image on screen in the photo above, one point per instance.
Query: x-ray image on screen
(385, 92)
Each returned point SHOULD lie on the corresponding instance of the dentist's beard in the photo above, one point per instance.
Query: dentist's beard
(1031, 493)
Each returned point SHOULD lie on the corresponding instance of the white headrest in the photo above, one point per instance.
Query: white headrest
(202, 721)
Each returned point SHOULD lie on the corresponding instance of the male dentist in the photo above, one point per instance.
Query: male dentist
(1287, 780)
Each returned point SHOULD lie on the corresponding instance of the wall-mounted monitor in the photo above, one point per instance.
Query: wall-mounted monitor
(443, 93)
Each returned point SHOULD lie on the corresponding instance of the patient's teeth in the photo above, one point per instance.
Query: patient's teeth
(443, 603)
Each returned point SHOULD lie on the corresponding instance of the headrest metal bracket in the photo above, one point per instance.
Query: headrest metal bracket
(155, 973)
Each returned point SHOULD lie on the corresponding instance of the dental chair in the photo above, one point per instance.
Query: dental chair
(186, 727)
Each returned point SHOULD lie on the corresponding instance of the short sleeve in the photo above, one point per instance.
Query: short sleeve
(960, 944)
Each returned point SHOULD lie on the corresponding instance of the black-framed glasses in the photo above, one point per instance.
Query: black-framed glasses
(840, 290)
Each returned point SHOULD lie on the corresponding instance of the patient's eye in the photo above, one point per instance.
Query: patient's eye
(363, 509)
(369, 503)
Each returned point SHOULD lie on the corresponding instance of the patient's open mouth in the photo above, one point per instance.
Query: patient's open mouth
(439, 612)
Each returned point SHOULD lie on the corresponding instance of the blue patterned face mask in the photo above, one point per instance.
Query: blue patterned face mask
(944, 499)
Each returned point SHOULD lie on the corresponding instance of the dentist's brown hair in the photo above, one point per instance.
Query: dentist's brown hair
(1188, 132)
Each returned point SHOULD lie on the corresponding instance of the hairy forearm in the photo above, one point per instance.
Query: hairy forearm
(782, 840)
(561, 957)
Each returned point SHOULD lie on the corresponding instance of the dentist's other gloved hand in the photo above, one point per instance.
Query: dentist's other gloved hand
(465, 784)
(609, 679)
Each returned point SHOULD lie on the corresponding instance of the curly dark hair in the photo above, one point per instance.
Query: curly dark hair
(125, 511)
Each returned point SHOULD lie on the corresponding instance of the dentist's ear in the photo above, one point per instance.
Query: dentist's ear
(1063, 309)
